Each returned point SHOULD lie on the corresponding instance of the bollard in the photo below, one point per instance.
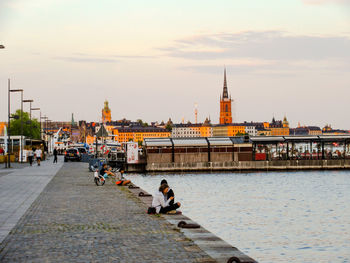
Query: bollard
(183, 224)
(233, 260)
(142, 194)
(237, 260)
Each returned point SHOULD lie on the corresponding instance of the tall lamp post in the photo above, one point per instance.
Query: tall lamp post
(45, 126)
(30, 117)
(41, 126)
(9, 119)
(21, 144)
(31, 126)
(48, 127)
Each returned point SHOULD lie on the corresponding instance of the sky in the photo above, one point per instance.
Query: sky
(156, 59)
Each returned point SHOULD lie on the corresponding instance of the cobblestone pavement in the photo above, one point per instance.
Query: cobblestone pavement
(74, 220)
(18, 190)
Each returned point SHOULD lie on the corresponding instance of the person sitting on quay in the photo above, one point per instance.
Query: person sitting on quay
(161, 205)
(105, 172)
(169, 194)
(121, 181)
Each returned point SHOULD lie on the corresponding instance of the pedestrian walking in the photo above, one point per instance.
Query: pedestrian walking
(38, 154)
(55, 155)
(30, 156)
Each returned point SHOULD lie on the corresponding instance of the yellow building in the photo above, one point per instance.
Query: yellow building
(263, 132)
(228, 130)
(278, 131)
(279, 128)
(206, 131)
(2, 128)
(137, 134)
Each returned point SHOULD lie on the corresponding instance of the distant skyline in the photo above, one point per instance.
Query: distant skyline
(155, 59)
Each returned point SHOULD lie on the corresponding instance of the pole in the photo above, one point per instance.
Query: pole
(9, 126)
(21, 127)
(40, 127)
(30, 118)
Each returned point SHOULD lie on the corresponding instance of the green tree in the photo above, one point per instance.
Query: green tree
(29, 129)
(169, 127)
(241, 134)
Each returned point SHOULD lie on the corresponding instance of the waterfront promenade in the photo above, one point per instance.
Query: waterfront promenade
(73, 220)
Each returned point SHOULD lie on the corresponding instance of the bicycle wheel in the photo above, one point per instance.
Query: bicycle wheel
(99, 182)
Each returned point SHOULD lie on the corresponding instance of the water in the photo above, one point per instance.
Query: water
(272, 217)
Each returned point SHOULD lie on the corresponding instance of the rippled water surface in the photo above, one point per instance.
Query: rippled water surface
(272, 217)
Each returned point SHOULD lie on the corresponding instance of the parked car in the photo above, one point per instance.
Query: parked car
(72, 154)
(82, 150)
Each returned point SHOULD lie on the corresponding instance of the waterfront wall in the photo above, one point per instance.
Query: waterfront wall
(249, 165)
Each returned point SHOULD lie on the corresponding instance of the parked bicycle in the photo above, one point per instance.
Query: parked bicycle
(100, 179)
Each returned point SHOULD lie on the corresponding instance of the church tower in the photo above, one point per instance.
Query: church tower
(106, 113)
(225, 104)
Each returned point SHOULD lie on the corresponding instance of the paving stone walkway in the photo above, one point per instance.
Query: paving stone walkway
(74, 220)
(19, 187)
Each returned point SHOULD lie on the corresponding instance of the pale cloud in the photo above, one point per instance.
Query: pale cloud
(267, 45)
(321, 2)
(269, 52)
(86, 60)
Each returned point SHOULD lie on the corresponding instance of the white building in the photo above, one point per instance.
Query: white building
(251, 130)
(186, 130)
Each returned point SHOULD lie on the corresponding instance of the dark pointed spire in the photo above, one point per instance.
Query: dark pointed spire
(224, 92)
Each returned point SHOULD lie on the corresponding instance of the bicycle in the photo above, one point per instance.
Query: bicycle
(99, 179)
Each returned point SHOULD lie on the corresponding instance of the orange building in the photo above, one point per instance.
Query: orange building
(2, 128)
(279, 128)
(225, 104)
(106, 113)
(228, 130)
(137, 134)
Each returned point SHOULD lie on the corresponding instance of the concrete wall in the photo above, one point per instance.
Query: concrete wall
(191, 157)
(221, 157)
(159, 158)
(250, 165)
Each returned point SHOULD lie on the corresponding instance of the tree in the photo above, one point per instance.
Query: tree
(169, 127)
(31, 130)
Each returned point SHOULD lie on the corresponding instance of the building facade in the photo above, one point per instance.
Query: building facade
(138, 134)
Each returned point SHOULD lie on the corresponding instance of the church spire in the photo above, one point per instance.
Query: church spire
(224, 92)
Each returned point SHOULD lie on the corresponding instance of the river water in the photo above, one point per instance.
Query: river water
(270, 216)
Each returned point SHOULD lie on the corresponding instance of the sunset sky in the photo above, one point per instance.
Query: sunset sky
(155, 59)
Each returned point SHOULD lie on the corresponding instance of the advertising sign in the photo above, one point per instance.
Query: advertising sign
(132, 152)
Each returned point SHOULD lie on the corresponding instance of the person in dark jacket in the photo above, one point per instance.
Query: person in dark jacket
(55, 155)
(169, 194)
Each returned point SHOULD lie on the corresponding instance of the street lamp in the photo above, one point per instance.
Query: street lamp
(21, 144)
(9, 119)
(30, 118)
(31, 125)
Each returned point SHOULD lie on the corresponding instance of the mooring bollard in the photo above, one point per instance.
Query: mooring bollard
(237, 260)
(142, 194)
(183, 224)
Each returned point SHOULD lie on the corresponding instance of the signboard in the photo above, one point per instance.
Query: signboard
(132, 152)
